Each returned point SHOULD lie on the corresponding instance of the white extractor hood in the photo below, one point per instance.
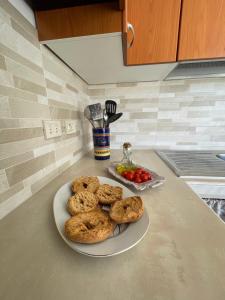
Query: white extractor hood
(98, 59)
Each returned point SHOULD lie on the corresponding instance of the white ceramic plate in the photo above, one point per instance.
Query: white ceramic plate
(128, 237)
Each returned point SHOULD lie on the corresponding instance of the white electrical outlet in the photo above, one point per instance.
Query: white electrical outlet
(70, 126)
(52, 129)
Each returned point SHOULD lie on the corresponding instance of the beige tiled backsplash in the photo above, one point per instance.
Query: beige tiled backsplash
(181, 114)
(35, 86)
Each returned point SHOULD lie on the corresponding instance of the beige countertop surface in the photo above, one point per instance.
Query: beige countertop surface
(181, 257)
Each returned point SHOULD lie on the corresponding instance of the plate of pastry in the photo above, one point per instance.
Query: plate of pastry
(99, 217)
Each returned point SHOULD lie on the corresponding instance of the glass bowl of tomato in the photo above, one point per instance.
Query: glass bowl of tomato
(135, 175)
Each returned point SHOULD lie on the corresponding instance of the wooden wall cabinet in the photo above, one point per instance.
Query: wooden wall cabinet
(154, 31)
(202, 31)
(150, 31)
(78, 21)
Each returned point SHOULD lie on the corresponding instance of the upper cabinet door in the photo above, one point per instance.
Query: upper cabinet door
(202, 33)
(150, 31)
(78, 21)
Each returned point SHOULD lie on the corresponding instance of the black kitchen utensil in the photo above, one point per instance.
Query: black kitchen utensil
(114, 118)
(110, 107)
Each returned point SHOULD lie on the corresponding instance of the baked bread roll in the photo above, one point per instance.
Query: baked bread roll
(127, 210)
(85, 183)
(89, 228)
(107, 194)
(82, 202)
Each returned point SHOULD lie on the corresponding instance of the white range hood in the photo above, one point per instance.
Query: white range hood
(98, 59)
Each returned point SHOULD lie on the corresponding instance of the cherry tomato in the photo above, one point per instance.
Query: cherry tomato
(145, 177)
(144, 174)
(130, 175)
(137, 179)
(124, 174)
(139, 171)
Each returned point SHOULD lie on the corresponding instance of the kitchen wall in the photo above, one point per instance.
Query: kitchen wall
(34, 86)
(181, 114)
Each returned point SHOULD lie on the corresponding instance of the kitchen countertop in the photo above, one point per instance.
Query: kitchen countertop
(181, 257)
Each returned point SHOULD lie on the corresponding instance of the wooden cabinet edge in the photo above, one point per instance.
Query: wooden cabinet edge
(90, 20)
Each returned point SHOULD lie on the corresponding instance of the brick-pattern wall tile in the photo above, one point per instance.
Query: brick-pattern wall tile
(178, 114)
(34, 86)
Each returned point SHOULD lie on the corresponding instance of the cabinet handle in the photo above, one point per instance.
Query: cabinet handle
(131, 28)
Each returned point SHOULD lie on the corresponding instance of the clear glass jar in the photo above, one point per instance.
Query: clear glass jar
(127, 155)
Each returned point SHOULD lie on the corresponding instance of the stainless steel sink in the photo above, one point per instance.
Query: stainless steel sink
(195, 163)
(221, 156)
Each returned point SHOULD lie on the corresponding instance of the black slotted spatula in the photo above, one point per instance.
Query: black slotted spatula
(114, 118)
(110, 107)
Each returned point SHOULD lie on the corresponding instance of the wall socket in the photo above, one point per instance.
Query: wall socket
(70, 126)
(52, 129)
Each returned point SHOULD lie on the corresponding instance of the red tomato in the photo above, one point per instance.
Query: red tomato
(124, 174)
(130, 175)
(137, 179)
(139, 171)
(145, 177)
